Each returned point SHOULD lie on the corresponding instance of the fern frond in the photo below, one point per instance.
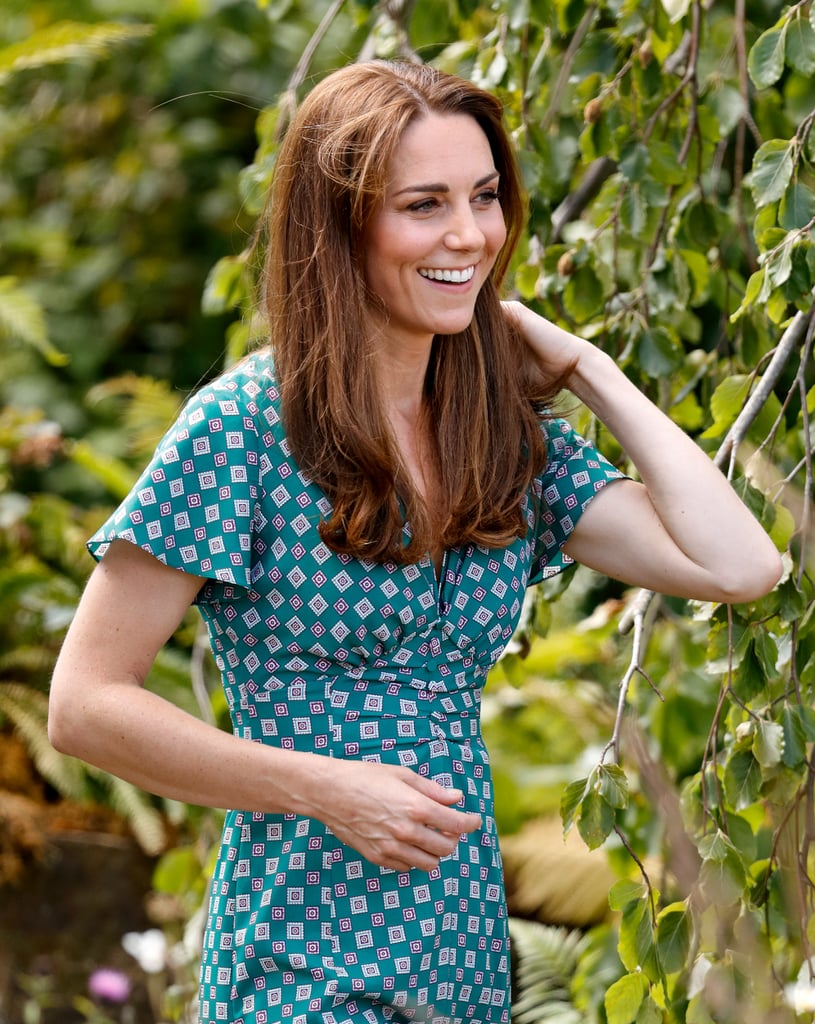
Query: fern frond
(544, 959)
(27, 710)
(152, 407)
(64, 41)
(144, 820)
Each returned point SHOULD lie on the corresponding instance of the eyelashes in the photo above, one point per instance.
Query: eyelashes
(484, 198)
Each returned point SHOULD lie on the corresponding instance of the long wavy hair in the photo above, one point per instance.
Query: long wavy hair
(482, 399)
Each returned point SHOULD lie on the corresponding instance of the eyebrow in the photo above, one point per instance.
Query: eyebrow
(441, 187)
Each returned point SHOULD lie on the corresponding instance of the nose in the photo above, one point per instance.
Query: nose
(463, 231)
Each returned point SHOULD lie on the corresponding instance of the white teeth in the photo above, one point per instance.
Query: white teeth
(453, 276)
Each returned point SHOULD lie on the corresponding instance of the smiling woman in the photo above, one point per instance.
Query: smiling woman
(357, 510)
(429, 248)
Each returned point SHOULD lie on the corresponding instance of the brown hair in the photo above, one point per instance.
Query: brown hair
(482, 403)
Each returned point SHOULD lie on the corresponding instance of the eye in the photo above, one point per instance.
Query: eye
(423, 205)
(487, 196)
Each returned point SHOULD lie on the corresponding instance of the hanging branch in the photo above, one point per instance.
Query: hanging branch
(288, 100)
(632, 618)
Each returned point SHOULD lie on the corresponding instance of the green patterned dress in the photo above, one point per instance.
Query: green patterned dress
(354, 659)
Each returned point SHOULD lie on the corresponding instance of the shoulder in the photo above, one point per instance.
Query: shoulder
(248, 386)
(245, 398)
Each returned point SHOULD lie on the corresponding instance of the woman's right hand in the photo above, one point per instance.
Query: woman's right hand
(390, 814)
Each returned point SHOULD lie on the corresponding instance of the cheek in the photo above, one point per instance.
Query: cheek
(499, 233)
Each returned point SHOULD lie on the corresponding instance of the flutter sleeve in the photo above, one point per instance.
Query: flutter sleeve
(194, 505)
(574, 474)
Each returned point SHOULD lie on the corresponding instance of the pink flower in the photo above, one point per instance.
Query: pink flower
(107, 983)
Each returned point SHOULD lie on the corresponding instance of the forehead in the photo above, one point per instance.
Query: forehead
(441, 148)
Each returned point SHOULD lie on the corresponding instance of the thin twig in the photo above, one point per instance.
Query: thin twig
(566, 67)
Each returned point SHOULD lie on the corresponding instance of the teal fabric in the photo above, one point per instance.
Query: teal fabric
(354, 659)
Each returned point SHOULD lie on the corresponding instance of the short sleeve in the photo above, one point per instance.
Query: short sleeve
(574, 474)
(194, 505)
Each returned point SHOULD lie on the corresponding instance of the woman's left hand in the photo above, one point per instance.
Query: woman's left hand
(556, 351)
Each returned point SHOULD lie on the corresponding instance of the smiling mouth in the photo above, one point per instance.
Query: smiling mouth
(449, 276)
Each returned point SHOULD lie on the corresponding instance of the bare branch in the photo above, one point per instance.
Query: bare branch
(791, 339)
(633, 617)
(574, 204)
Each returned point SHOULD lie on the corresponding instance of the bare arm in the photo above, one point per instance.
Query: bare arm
(683, 530)
(100, 712)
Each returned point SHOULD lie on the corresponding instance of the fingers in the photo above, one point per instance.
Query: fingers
(396, 818)
(444, 819)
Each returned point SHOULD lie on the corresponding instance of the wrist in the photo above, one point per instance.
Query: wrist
(592, 373)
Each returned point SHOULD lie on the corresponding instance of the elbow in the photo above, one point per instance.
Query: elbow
(64, 730)
(754, 579)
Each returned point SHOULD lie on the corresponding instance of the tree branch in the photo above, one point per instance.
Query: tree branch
(790, 340)
(574, 203)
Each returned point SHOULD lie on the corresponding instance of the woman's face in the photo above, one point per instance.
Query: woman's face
(430, 246)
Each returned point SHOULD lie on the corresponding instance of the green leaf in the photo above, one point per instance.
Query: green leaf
(636, 942)
(722, 875)
(772, 170)
(765, 62)
(742, 779)
(658, 354)
(583, 295)
(114, 474)
(768, 743)
(701, 225)
(649, 1013)
(596, 820)
(767, 652)
(797, 207)
(795, 737)
(758, 287)
(663, 162)
(727, 402)
(225, 287)
(624, 998)
(613, 785)
(749, 678)
(800, 48)
(783, 527)
(728, 107)
(570, 802)
(634, 161)
(673, 937)
(720, 657)
(697, 1012)
(624, 892)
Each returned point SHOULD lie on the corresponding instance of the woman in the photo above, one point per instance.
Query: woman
(358, 524)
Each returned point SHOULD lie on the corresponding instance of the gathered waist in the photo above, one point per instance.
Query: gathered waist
(390, 716)
(353, 716)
